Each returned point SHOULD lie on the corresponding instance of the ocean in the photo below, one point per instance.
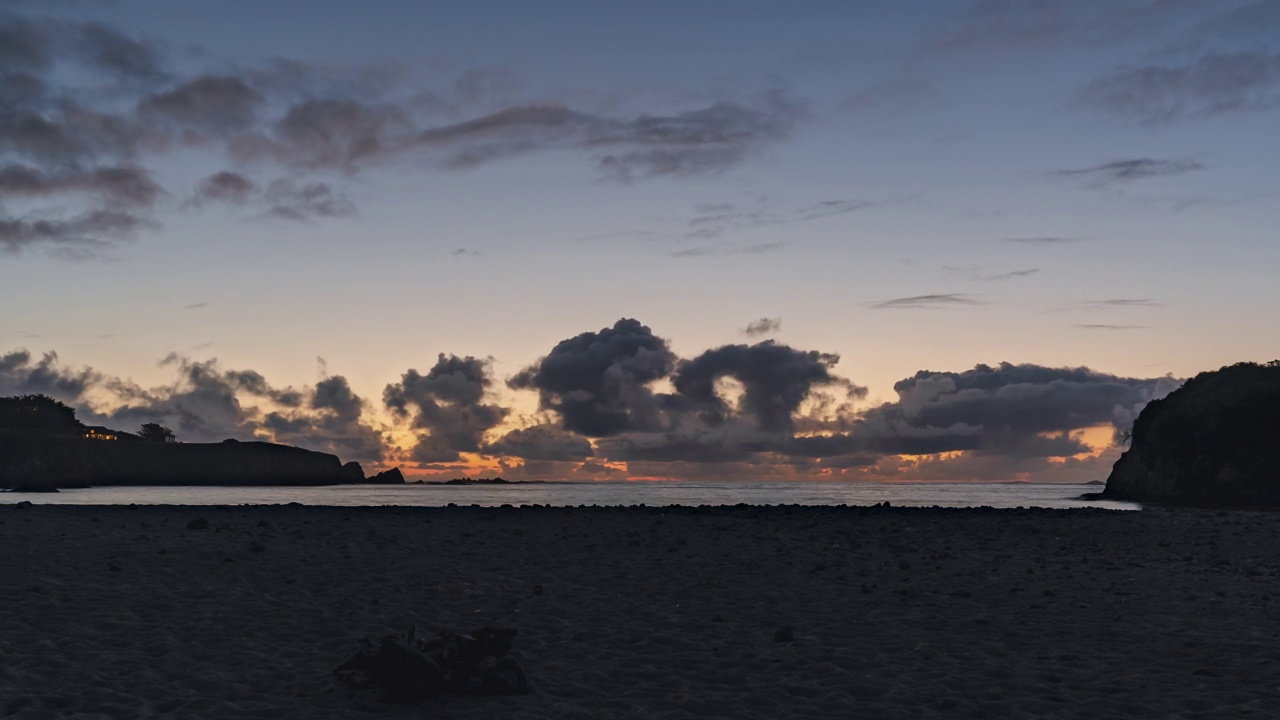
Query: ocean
(1002, 495)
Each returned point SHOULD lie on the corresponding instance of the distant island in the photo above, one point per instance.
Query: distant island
(1213, 442)
(480, 481)
(44, 447)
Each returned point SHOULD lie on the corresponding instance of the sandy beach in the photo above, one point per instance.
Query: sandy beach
(124, 612)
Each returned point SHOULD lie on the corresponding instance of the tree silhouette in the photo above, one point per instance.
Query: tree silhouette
(155, 432)
(38, 413)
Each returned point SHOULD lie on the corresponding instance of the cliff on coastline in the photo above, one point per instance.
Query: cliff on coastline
(33, 462)
(1214, 441)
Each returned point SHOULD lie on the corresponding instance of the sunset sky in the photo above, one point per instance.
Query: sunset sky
(720, 239)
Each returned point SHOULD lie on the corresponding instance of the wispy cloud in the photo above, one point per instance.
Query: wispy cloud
(727, 250)
(921, 302)
(1123, 303)
(1211, 85)
(1104, 326)
(1123, 171)
(1045, 240)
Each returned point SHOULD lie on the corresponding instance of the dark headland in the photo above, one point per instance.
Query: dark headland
(1213, 442)
(44, 447)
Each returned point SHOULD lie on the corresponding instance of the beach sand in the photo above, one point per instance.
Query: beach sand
(647, 613)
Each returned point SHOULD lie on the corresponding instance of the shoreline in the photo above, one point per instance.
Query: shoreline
(671, 612)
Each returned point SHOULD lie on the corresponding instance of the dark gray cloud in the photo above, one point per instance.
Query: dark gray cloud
(309, 119)
(109, 50)
(210, 103)
(1008, 409)
(24, 44)
(204, 403)
(447, 402)
(335, 423)
(21, 375)
(939, 300)
(541, 443)
(775, 380)
(339, 134)
(85, 232)
(1213, 84)
(598, 382)
(1121, 171)
(763, 326)
(292, 201)
(227, 187)
(121, 185)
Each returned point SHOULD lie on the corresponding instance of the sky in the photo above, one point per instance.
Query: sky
(720, 240)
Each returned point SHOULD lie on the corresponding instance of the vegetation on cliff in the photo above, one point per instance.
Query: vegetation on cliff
(1214, 441)
(44, 446)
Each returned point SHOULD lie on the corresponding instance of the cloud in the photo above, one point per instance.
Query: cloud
(226, 187)
(926, 302)
(207, 103)
(775, 380)
(304, 120)
(1123, 303)
(87, 232)
(727, 250)
(598, 382)
(291, 201)
(109, 50)
(335, 424)
(1007, 409)
(716, 219)
(1046, 240)
(1103, 326)
(979, 275)
(541, 443)
(1011, 275)
(619, 396)
(20, 375)
(1214, 84)
(447, 402)
(125, 185)
(1015, 25)
(763, 326)
(1121, 171)
(205, 403)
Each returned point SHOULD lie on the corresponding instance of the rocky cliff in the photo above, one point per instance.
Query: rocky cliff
(1214, 441)
(32, 460)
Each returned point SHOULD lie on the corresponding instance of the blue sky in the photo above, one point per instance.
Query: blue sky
(309, 191)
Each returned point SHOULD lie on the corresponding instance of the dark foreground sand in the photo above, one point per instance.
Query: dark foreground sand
(648, 613)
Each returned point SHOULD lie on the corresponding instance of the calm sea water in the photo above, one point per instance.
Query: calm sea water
(601, 493)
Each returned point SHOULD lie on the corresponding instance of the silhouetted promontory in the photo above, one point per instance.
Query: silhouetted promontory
(43, 447)
(1214, 441)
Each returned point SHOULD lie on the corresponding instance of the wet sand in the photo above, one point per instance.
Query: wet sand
(647, 613)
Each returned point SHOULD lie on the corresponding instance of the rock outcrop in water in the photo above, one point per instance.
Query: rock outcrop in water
(1214, 441)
